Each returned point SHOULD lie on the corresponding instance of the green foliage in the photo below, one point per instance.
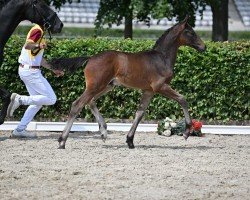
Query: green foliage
(114, 12)
(182, 8)
(76, 32)
(219, 80)
(58, 3)
(180, 128)
(215, 83)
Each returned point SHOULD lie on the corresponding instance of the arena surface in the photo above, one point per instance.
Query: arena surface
(159, 168)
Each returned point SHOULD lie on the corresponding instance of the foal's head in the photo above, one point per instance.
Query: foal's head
(37, 11)
(187, 36)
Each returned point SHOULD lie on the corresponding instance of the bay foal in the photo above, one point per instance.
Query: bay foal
(151, 71)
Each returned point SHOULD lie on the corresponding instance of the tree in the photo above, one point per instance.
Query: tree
(114, 11)
(220, 19)
(58, 3)
(219, 11)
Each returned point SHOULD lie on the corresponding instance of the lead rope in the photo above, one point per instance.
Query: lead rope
(46, 27)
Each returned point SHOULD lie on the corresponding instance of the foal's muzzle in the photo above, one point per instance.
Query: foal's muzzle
(202, 49)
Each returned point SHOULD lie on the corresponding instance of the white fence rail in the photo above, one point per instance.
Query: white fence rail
(85, 126)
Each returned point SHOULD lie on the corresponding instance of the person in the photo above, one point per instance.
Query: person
(40, 91)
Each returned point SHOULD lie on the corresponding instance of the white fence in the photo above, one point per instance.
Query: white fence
(85, 126)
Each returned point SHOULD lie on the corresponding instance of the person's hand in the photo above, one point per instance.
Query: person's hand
(42, 45)
(58, 72)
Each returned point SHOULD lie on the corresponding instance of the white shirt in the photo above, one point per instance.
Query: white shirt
(27, 57)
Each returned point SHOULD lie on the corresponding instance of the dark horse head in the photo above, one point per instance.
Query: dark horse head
(37, 11)
(12, 12)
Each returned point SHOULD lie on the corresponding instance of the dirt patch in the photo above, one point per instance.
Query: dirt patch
(210, 167)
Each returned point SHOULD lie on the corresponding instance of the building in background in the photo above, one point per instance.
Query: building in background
(83, 14)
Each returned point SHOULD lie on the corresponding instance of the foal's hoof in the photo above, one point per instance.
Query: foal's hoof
(130, 142)
(104, 134)
(103, 137)
(131, 146)
(186, 135)
(61, 147)
(61, 144)
(59, 139)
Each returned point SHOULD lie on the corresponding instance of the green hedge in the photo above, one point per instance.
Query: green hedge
(215, 83)
(72, 32)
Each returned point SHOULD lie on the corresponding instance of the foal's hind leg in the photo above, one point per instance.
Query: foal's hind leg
(101, 122)
(167, 91)
(75, 110)
(145, 100)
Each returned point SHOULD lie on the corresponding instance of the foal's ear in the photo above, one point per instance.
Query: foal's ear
(183, 23)
(185, 20)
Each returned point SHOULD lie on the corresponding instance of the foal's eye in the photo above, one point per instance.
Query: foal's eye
(189, 33)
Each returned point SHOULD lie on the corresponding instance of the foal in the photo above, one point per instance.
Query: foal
(151, 71)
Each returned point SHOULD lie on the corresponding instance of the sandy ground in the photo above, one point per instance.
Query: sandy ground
(210, 167)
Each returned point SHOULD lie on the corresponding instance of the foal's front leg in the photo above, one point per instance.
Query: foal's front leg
(167, 91)
(145, 100)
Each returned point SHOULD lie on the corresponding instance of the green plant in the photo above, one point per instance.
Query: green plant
(148, 33)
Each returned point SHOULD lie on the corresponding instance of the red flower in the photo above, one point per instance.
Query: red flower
(196, 125)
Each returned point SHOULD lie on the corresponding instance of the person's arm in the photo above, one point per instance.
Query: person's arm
(33, 46)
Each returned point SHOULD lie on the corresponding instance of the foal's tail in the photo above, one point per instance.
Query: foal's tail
(70, 64)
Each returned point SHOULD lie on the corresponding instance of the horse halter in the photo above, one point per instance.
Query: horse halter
(46, 20)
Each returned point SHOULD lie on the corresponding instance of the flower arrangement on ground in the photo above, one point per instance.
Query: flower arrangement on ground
(168, 127)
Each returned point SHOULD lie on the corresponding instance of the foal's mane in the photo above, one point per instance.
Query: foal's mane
(163, 36)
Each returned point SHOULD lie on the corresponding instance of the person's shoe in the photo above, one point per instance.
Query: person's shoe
(14, 104)
(22, 134)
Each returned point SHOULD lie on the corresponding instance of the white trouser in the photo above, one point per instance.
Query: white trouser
(41, 93)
